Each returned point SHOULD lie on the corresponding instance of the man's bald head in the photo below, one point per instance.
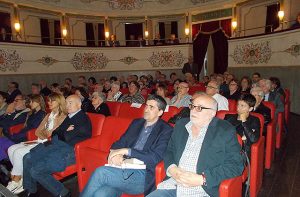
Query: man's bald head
(73, 103)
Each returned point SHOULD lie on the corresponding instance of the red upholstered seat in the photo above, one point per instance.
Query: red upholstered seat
(97, 121)
(232, 104)
(197, 88)
(15, 129)
(287, 105)
(127, 111)
(93, 152)
(31, 135)
(114, 107)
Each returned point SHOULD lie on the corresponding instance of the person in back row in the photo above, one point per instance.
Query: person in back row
(146, 139)
(134, 96)
(182, 98)
(55, 155)
(202, 152)
(213, 89)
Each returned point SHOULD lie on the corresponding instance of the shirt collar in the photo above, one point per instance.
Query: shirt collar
(188, 127)
(73, 114)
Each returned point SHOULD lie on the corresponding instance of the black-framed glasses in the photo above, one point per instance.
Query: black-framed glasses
(211, 87)
(198, 108)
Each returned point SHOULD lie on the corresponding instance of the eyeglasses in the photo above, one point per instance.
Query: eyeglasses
(151, 107)
(198, 108)
(233, 84)
(181, 87)
(16, 100)
(211, 87)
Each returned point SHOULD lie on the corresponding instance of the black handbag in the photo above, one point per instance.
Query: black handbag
(5, 168)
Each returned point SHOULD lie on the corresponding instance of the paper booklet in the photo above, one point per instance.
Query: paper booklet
(131, 163)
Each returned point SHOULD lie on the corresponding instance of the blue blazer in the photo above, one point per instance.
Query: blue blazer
(219, 157)
(153, 150)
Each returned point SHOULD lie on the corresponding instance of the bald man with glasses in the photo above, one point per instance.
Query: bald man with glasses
(182, 99)
(213, 89)
(202, 152)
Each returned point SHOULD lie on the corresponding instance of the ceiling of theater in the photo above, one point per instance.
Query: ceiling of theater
(128, 7)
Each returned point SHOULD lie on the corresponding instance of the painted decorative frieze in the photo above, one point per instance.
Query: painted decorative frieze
(47, 61)
(89, 61)
(166, 59)
(252, 53)
(125, 4)
(128, 60)
(294, 50)
(9, 60)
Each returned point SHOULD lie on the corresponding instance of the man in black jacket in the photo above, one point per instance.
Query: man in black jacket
(55, 155)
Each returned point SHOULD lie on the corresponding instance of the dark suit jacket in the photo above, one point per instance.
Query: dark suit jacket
(82, 129)
(187, 68)
(8, 120)
(154, 148)
(13, 95)
(250, 128)
(219, 158)
(275, 98)
(266, 112)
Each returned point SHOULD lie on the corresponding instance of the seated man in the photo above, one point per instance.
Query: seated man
(202, 152)
(55, 155)
(182, 99)
(145, 139)
(134, 95)
(212, 89)
(246, 125)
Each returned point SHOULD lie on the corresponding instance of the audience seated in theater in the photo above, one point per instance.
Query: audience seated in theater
(141, 41)
(191, 80)
(113, 42)
(114, 94)
(234, 90)
(17, 116)
(157, 40)
(55, 88)
(224, 87)
(91, 85)
(273, 97)
(246, 125)
(229, 78)
(106, 86)
(173, 77)
(190, 67)
(157, 76)
(98, 87)
(69, 82)
(173, 39)
(202, 152)
(86, 104)
(276, 87)
(99, 105)
(182, 98)
(205, 80)
(255, 78)
(13, 91)
(33, 118)
(297, 22)
(55, 155)
(45, 91)
(146, 139)
(260, 108)
(131, 42)
(3, 103)
(82, 81)
(35, 89)
(162, 91)
(212, 89)
(143, 89)
(245, 85)
(16, 152)
(134, 95)
(175, 87)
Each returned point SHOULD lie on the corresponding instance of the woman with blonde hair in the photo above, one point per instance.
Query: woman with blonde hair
(57, 106)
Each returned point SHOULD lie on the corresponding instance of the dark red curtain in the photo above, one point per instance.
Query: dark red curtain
(195, 30)
(90, 36)
(220, 44)
(135, 29)
(272, 20)
(174, 28)
(199, 50)
(6, 24)
(45, 32)
(57, 33)
(162, 31)
(226, 26)
(101, 34)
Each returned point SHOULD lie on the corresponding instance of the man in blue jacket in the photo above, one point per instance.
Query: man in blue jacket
(145, 139)
(202, 152)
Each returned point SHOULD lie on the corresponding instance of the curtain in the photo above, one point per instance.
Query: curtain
(57, 33)
(135, 29)
(90, 39)
(272, 20)
(200, 45)
(162, 31)
(45, 32)
(6, 25)
(174, 28)
(101, 34)
(220, 44)
(195, 30)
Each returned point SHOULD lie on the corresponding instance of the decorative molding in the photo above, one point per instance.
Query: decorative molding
(89, 61)
(200, 1)
(52, 1)
(252, 53)
(47, 61)
(9, 60)
(217, 14)
(128, 60)
(294, 50)
(125, 4)
(166, 59)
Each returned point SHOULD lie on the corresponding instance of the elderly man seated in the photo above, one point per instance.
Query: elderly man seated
(134, 95)
(213, 89)
(55, 155)
(182, 99)
(202, 152)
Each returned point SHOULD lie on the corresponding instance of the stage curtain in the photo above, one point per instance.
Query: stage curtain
(200, 45)
(220, 44)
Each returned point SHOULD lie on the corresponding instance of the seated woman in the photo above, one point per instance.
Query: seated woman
(247, 126)
(99, 105)
(33, 119)
(86, 104)
(57, 104)
(234, 91)
(162, 91)
(245, 85)
(114, 94)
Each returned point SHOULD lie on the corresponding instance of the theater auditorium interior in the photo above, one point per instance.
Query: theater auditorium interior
(113, 54)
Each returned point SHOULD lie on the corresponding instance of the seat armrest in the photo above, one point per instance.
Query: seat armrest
(231, 187)
(160, 173)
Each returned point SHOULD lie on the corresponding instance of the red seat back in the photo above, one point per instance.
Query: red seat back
(261, 120)
(232, 105)
(272, 107)
(124, 90)
(221, 114)
(197, 88)
(113, 128)
(127, 111)
(97, 121)
(114, 107)
(15, 129)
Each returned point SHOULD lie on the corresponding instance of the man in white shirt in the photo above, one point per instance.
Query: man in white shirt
(212, 89)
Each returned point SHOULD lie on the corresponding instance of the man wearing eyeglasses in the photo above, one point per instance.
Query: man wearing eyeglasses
(182, 99)
(202, 152)
(146, 139)
(212, 89)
